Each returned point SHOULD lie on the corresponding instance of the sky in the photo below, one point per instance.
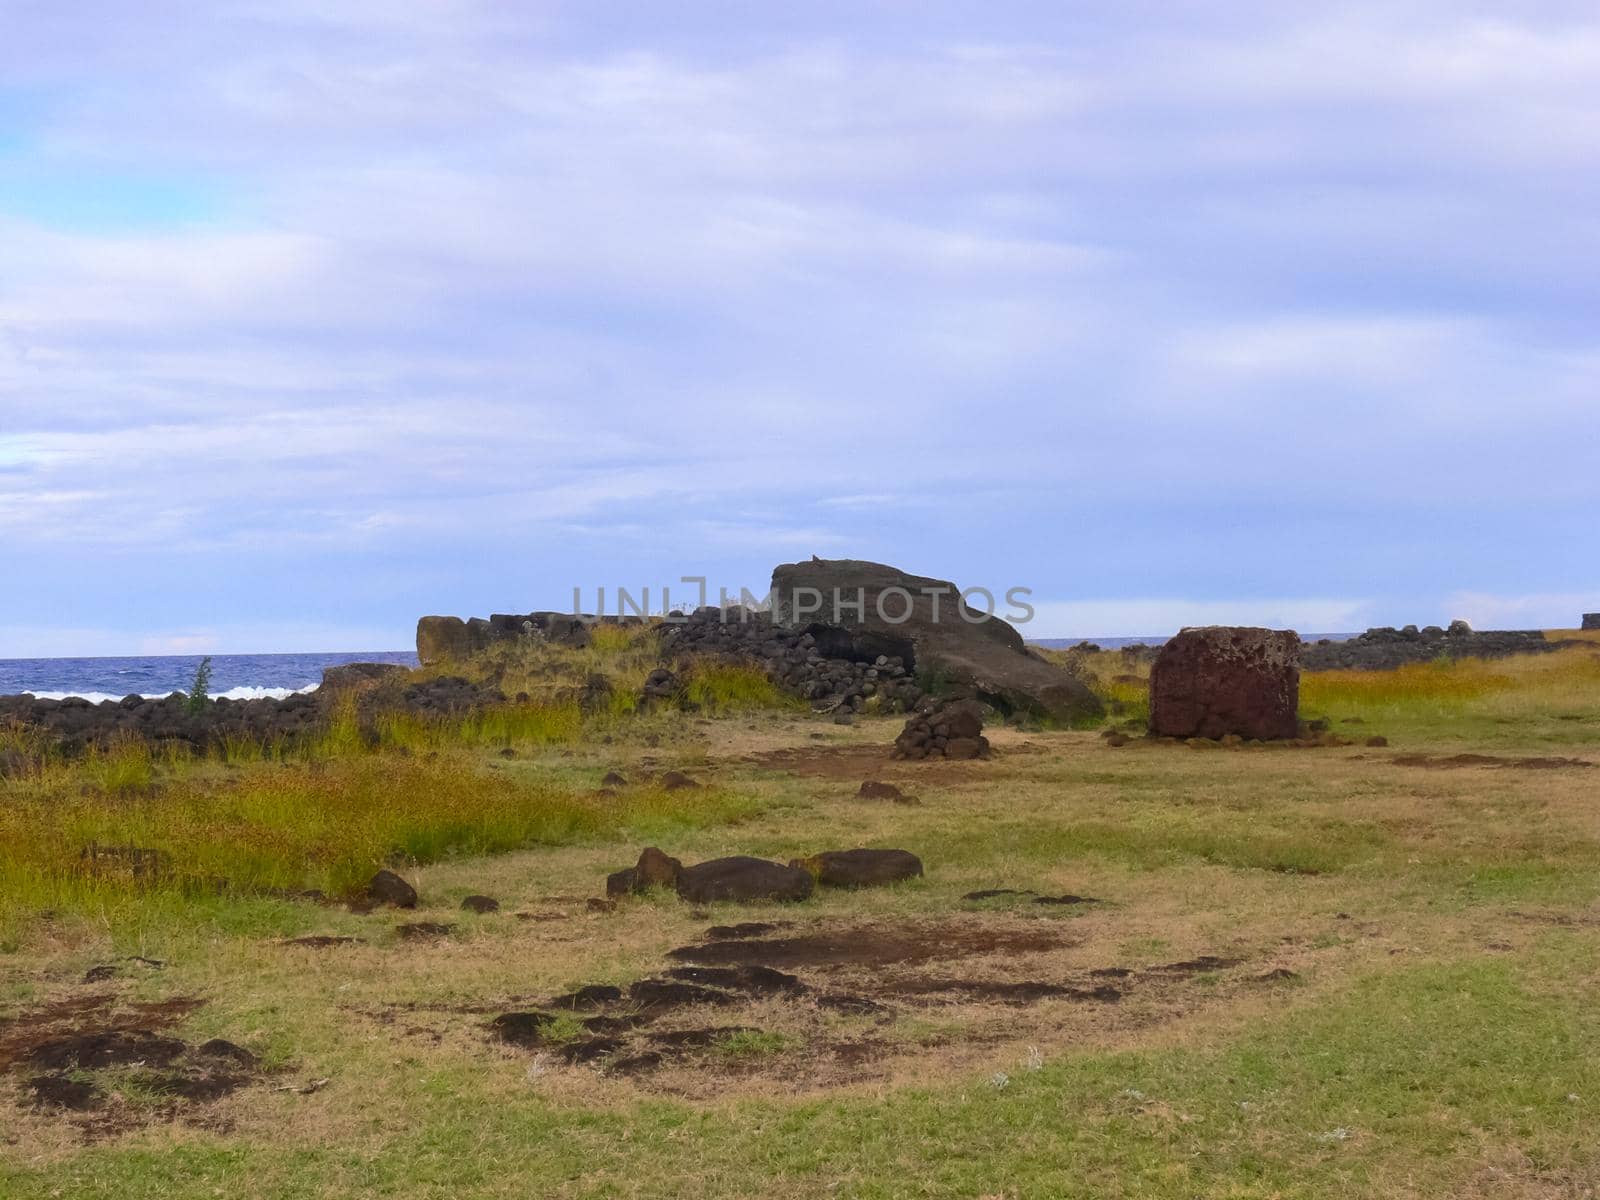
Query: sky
(317, 316)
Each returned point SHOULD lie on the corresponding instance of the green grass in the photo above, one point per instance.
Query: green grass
(325, 824)
(718, 687)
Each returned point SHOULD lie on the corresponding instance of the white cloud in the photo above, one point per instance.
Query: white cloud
(1562, 610)
(1137, 617)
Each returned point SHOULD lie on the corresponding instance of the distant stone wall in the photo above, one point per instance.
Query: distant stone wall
(74, 724)
(1387, 647)
(452, 639)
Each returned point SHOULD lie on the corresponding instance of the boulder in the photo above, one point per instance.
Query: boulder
(444, 639)
(860, 868)
(742, 878)
(620, 883)
(388, 888)
(655, 869)
(1216, 680)
(1591, 620)
(926, 624)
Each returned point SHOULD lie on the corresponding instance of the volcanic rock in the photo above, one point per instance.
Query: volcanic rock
(1219, 679)
(742, 878)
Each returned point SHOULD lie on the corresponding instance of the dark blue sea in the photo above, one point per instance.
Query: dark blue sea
(237, 676)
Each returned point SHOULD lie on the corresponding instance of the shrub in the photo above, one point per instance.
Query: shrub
(200, 689)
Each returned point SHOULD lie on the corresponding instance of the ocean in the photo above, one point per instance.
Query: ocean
(252, 676)
(236, 676)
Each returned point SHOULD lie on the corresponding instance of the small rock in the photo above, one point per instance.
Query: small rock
(1377, 740)
(480, 904)
(613, 779)
(674, 781)
(388, 888)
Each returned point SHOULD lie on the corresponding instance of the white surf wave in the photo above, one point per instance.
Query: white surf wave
(238, 693)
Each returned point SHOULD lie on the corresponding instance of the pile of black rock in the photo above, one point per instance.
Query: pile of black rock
(815, 664)
(1386, 647)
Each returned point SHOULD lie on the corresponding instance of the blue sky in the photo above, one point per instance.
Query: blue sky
(315, 317)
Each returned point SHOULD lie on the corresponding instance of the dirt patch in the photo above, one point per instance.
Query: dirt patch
(853, 763)
(748, 929)
(1196, 966)
(1030, 896)
(1444, 762)
(423, 931)
(874, 946)
(64, 1045)
(1003, 992)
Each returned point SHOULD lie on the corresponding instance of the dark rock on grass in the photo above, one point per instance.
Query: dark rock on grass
(62, 1091)
(995, 893)
(100, 973)
(746, 929)
(1194, 966)
(418, 931)
(635, 1064)
(668, 993)
(744, 879)
(860, 868)
(850, 1005)
(521, 1028)
(1377, 741)
(197, 1088)
(595, 904)
(1279, 975)
(950, 728)
(388, 888)
(697, 1039)
(218, 1048)
(480, 904)
(873, 789)
(655, 869)
(588, 1050)
(320, 941)
(589, 997)
(674, 781)
(613, 779)
(611, 1026)
(1068, 899)
(106, 1048)
(748, 977)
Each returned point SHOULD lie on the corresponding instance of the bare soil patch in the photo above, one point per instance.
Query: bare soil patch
(778, 997)
(1444, 762)
(875, 945)
(80, 1056)
(854, 763)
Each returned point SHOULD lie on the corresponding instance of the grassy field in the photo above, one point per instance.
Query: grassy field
(1338, 971)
